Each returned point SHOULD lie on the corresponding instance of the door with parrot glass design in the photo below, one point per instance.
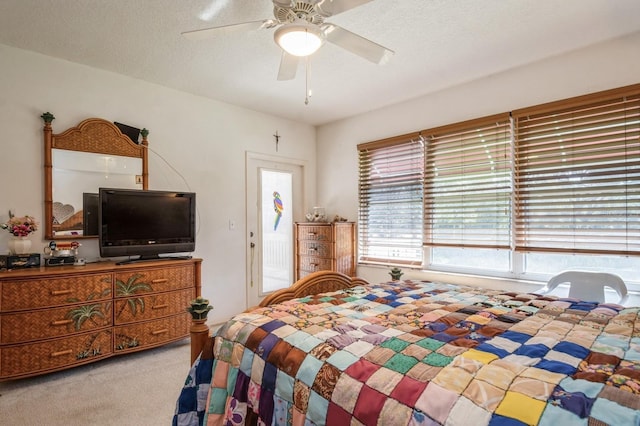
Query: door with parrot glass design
(274, 200)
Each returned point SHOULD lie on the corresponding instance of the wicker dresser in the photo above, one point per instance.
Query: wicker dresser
(325, 247)
(60, 317)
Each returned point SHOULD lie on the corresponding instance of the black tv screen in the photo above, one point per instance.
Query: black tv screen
(143, 223)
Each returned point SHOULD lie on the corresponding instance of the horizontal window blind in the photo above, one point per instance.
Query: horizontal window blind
(578, 175)
(468, 184)
(390, 200)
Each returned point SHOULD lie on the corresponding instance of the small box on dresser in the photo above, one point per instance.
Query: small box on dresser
(19, 261)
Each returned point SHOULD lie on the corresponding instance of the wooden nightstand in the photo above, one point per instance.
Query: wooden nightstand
(325, 247)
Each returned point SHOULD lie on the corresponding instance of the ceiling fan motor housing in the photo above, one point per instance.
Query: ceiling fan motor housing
(288, 11)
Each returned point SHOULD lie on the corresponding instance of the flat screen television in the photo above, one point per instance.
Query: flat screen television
(145, 223)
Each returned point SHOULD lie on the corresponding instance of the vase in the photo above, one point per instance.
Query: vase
(19, 245)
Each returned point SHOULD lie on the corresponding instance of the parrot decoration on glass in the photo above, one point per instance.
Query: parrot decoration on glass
(278, 207)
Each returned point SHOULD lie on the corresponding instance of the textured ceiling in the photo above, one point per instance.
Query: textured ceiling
(437, 44)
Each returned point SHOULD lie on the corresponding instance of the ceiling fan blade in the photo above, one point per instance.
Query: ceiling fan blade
(288, 66)
(333, 7)
(356, 44)
(225, 29)
(284, 3)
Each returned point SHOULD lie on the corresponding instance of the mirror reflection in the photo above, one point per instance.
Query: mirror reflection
(76, 179)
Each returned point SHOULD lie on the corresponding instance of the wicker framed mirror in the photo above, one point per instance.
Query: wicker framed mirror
(77, 162)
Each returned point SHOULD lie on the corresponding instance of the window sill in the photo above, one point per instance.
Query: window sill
(380, 273)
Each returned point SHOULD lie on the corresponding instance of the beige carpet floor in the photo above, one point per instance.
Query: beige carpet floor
(138, 389)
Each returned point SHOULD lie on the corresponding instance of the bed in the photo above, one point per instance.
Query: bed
(418, 353)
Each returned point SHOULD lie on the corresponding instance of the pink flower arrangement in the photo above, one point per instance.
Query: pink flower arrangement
(20, 226)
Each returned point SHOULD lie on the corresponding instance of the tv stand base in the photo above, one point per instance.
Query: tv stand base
(152, 259)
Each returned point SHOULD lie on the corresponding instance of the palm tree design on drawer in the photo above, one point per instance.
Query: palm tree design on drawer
(136, 305)
(130, 288)
(86, 312)
(95, 313)
(93, 345)
(98, 314)
(125, 342)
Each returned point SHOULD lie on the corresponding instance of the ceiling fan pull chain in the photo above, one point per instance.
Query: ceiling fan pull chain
(307, 92)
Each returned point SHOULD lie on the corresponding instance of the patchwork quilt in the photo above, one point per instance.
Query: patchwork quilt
(420, 353)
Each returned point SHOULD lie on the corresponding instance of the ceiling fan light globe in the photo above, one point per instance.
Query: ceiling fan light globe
(299, 39)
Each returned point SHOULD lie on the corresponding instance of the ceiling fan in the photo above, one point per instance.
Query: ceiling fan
(301, 30)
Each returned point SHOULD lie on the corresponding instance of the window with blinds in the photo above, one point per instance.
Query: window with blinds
(468, 184)
(390, 216)
(578, 175)
(559, 179)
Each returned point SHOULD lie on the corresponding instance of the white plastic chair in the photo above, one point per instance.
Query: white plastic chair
(588, 285)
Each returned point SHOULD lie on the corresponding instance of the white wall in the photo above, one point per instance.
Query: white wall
(608, 65)
(206, 140)
(203, 140)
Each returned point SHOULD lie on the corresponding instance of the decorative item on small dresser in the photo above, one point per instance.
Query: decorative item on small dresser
(318, 215)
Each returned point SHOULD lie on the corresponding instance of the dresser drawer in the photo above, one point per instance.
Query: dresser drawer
(133, 283)
(314, 232)
(26, 326)
(315, 248)
(151, 333)
(345, 265)
(153, 306)
(313, 264)
(22, 360)
(43, 292)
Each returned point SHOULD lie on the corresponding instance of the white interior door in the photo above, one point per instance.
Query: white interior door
(274, 202)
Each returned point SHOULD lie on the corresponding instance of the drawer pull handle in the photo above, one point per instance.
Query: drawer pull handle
(159, 306)
(164, 330)
(61, 322)
(160, 280)
(62, 353)
(60, 292)
(312, 234)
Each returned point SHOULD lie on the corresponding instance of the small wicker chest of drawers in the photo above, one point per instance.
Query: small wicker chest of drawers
(325, 247)
(60, 317)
